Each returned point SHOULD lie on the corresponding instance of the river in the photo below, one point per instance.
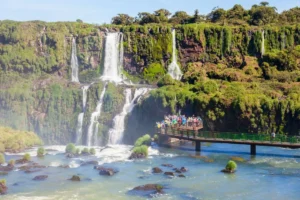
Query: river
(274, 173)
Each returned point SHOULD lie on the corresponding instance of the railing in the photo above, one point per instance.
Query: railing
(230, 136)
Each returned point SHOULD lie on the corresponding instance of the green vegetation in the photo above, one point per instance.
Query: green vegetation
(78, 151)
(11, 162)
(85, 151)
(231, 166)
(92, 151)
(2, 159)
(41, 152)
(13, 140)
(154, 72)
(155, 137)
(141, 150)
(70, 148)
(27, 157)
(144, 140)
(3, 181)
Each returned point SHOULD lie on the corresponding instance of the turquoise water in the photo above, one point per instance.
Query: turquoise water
(273, 174)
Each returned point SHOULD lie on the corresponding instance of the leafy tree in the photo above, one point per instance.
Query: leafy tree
(263, 14)
(231, 165)
(70, 148)
(162, 15)
(27, 157)
(180, 17)
(145, 18)
(217, 15)
(79, 21)
(290, 16)
(122, 19)
(40, 152)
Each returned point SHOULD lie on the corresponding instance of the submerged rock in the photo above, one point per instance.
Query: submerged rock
(75, 178)
(169, 173)
(134, 156)
(93, 162)
(65, 166)
(30, 171)
(181, 176)
(178, 171)
(106, 171)
(148, 190)
(167, 165)
(22, 161)
(40, 178)
(31, 166)
(6, 168)
(183, 169)
(227, 171)
(156, 170)
(3, 188)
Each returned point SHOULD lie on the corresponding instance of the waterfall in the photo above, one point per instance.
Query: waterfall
(74, 62)
(94, 117)
(113, 61)
(174, 69)
(81, 115)
(262, 43)
(116, 133)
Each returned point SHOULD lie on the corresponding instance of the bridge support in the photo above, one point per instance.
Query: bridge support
(198, 146)
(253, 149)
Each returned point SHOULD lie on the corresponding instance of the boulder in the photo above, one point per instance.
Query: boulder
(156, 170)
(228, 171)
(134, 156)
(181, 176)
(70, 155)
(149, 189)
(3, 189)
(167, 165)
(183, 169)
(75, 178)
(40, 178)
(105, 171)
(178, 171)
(169, 173)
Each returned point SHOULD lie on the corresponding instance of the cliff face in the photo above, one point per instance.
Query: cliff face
(226, 80)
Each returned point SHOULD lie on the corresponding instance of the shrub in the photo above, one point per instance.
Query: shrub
(85, 151)
(70, 148)
(155, 137)
(231, 165)
(92, 151)
(11, 162)
(153, 72)
(141, 150)
(2, 159)
(27, 157)
(144, 140)
(3, 181)
(40, 152)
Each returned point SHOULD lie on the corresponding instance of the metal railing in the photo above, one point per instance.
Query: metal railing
(231, 136)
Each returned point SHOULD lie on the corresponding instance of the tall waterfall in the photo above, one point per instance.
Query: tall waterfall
(74, 62)
(81, 115)
(94, 117)
(174, 69)
(113, 61)
(116, 133)
(262, 43)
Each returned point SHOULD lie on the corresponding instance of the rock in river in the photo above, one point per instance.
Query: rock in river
(40, 178)
(169, 173)
(75, 178)
(156, 170)
(105, 171)
(147, 190)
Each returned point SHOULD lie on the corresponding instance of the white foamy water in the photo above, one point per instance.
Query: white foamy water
(74, 62)
(173, 69)
(116, 133)
(94, 117)
(113, 61)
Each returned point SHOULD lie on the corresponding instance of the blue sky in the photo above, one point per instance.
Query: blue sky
(100, 11)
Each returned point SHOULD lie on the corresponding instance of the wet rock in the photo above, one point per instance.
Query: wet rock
(6, 168)
(183, 169)
(167, 165)
(156, 170)
(228, 171)
(178, 171)
(65, 166)
(30, 171)
(3, 173)
(31, 166)
(169, 173)
(105, 171)
(75, 178)
(70, 155)
(3, 188)
(22, 161)
(181, 176)
(148, 190)
(93, 162)
(134, 156)
(40, 178)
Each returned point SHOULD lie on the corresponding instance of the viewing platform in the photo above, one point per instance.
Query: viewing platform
(193, 134)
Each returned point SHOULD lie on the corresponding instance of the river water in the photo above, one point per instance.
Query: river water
(273, 174)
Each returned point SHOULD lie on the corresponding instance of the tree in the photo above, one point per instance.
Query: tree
(27, 157)
(122, 19)
(290, 16)
(70, 148)
(162, 15)
(146, 18)
(263, 14)
(217, 15)
(237, 15)
(79, 21)
(264, 3)
(40, 152)
(180, 17)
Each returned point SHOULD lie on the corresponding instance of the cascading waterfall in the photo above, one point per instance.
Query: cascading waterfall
(174, 69)
(113, 61)
(263, 43)
(74, 62)
(81, 115)
(116, 133)
(94, 117)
